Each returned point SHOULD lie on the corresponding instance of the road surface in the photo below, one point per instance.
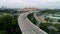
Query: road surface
(37, 19)
(27, 27)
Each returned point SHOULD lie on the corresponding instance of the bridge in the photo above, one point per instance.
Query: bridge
(26, 26)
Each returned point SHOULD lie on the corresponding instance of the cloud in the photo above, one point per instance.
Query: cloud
(31, 3)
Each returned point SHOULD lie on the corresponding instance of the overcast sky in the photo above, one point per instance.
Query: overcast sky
(30, 3)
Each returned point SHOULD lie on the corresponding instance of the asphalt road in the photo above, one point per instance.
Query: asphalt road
(27, 27)
(37, 19)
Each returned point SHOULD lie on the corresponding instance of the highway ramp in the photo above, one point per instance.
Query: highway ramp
(27, 27)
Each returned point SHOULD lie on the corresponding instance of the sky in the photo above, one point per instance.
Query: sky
(30, 3)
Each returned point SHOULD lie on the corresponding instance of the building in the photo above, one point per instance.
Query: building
(30, 9)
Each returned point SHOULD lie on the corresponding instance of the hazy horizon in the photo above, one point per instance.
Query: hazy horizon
(30, 3)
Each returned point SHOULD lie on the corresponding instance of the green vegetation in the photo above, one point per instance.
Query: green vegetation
(48, 27)
(31, 18)
(51, 11)
(8, 22)
(44, 26)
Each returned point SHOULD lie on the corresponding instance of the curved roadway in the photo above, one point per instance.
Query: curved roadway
(37, 19)
(27, 27)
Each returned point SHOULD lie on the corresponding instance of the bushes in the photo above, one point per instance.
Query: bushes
(32, 19)
(8, 23)
(44, 26)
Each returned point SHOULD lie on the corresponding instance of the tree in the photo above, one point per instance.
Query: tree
(9, 24)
